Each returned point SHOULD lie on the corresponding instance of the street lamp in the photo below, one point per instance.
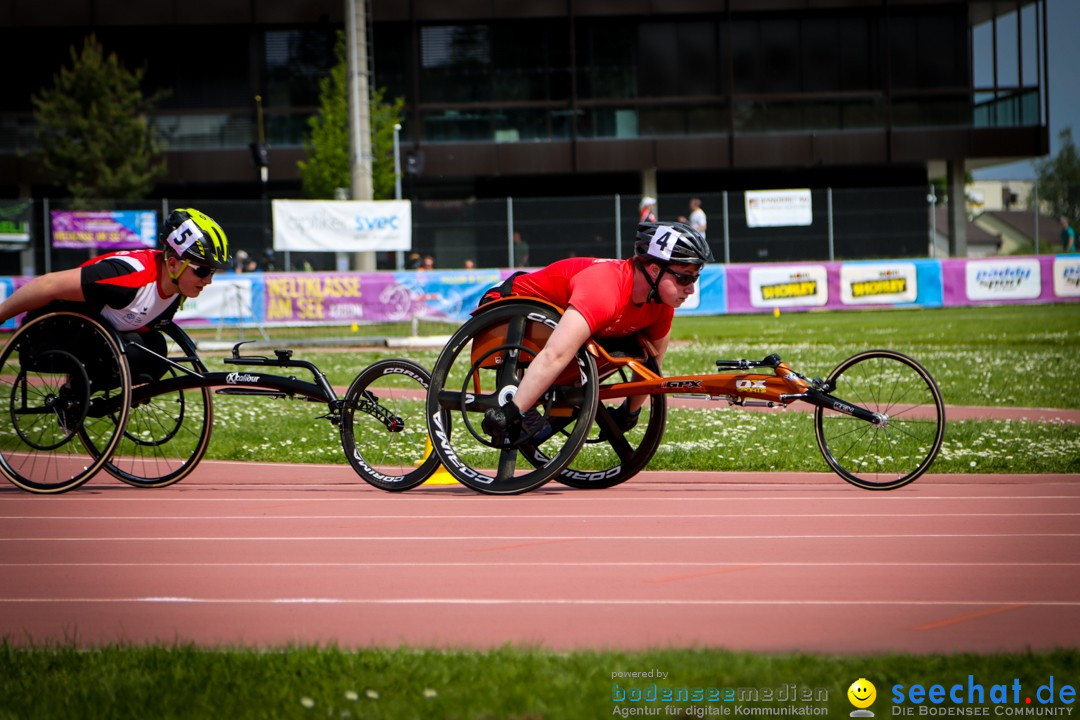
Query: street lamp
(400, 255)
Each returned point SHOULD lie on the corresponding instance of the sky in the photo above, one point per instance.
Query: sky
(1063, 18)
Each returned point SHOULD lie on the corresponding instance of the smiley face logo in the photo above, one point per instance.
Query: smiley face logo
(862, 693)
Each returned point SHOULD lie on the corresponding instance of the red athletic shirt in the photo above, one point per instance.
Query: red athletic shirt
(600, 290)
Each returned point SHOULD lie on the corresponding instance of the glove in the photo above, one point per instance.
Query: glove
(623, 418)
(507, 423)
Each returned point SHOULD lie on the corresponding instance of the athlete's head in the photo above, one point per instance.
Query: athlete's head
(670, 256)
(193, 241)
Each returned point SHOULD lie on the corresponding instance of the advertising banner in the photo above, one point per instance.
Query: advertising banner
(104, 230)
(878, 283)
(15, 223)
(229, 299)
(1066, 271)
(342, 225)
(788, 286)
(1006, 279)
(710, 293)
(778, 208)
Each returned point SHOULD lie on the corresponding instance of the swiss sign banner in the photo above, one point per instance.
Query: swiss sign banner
(342, 225)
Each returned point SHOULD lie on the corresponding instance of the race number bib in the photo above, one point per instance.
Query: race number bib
(663, 242)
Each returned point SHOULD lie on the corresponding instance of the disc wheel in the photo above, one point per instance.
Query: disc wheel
(479, 369)
(610, 456)
(167, 434)
(383, 432)
(896, 451)
(65, 385)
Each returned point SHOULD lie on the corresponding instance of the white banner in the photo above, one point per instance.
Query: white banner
(791, 286)
(778, 208)
(226, 297)
(1067, 276)
(1018, 279)
(342, 225)
(878, 283)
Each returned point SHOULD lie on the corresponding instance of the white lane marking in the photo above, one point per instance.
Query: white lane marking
(529, 516)
(540, 601)
(475, 538)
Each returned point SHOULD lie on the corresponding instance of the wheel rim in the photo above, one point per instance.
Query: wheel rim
(899, 450)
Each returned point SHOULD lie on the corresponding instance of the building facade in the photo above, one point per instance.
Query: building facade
(551, 98)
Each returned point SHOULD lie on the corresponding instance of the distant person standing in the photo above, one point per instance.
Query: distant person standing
(647, 209)
(697, 218)
(1068, 236)
(521, 250)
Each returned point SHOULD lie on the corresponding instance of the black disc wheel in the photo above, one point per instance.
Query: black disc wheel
(383, 432)
(610, 456)
(479, 369)
(904, 440)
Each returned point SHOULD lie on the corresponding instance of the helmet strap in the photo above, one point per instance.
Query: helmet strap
(176, 278)
(654, 285)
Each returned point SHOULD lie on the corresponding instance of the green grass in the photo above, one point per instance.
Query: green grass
(1002, 356)
(188, 682)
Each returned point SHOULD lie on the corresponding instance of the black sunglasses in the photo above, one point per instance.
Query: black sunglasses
(202, 271)
(683, 279)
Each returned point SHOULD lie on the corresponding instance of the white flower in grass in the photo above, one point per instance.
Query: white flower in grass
(307, 702)
(352, 695)
(373, 694)
(972, 463)
(430, 693)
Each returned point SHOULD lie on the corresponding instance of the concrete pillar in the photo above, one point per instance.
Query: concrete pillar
(648, 182)
(955, 177)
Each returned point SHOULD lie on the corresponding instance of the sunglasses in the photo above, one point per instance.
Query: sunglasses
(683, 279)
(202, 271)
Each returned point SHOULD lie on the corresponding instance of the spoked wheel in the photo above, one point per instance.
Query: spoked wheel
(610, 456)
(64, 385)
(383, 431)
(897, 450)
(167, 434)
(480, 369)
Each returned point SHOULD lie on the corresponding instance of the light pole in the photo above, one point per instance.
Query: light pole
(400, 255)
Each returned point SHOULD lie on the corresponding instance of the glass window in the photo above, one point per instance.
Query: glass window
(607, 60)
(296, 60)
(455, 63)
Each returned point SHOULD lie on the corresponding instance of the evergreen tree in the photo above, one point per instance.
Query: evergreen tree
(92, 128)
(1059, 180)
(327, 145)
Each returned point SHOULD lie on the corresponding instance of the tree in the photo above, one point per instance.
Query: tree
(327, 145)
(92, 128)
(1059, 179)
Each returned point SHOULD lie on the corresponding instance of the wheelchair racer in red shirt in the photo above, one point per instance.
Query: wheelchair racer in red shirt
(608, 299)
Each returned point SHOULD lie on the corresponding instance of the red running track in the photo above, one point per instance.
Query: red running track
(267, 555)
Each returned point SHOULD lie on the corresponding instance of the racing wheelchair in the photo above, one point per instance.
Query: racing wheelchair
(879, 418)
(71, 407)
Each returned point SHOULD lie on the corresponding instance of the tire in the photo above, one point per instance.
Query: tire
(65, 387)
(383, 432)
(892, 454)
(166, 435)
(479, 369)
(610, 457)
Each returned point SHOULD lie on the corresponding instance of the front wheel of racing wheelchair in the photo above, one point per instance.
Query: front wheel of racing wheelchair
(479, 369)
(66, 394)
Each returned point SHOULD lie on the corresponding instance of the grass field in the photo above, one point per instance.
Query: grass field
(1013, 356)
(507, 683)
(1017, 356)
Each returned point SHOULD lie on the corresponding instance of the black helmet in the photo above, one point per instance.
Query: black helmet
(672, 243)
(194, 236)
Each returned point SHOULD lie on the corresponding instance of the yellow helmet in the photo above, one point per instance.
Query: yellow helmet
(195, 236)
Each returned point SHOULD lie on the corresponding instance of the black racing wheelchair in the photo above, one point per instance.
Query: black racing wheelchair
(71, 407)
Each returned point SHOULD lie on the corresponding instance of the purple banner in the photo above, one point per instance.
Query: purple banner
(104, 230)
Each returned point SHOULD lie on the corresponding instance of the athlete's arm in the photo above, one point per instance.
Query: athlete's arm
(60, 285)
(566, 339)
